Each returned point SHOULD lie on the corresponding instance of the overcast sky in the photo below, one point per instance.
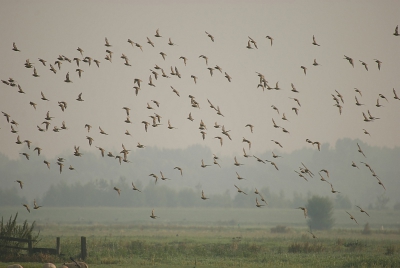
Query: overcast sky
(362, 30)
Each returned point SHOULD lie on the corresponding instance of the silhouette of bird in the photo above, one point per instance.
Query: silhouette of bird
(236, 162)
(350, 60)
(276, 142)
(361, 210)
(379, 63)
(35, 205)
(203, 165)
(351, 217)
(180, 169)
(395, 95)
(249, 142)
(358, 91)
(90, 139)
(315, 63)
(15, 47)
(314, 42)
(273, 163)
(61, 165)
(312, 234)
(20, 183)
(211, 37)
(304, 69)
(360, 151)
(26, 155)
(258, 204)
(27, 207)
(304, 211)
(239, 190)
(152, 215)
(118, 190)
(250, 126)
(270, 38)
(203, 196)
(258, 159)
(135, 189)
(396, 31)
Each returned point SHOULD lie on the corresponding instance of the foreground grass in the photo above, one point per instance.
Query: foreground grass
(161, 245)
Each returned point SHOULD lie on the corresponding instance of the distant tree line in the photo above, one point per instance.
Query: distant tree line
(92, 181)
(10, 197)
(101, 193)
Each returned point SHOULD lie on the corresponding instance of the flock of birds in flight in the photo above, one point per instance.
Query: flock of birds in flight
(303, 172)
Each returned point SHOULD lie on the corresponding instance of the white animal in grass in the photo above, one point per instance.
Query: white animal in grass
(15, 266)
(49, 265)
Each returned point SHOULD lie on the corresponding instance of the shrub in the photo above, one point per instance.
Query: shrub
(11, 229)
(366, 230)
(320, 213)
(280, 229)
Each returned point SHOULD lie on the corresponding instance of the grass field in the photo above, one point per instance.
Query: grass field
(213, 238)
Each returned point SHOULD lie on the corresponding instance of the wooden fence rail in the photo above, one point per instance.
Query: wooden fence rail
(31, 249)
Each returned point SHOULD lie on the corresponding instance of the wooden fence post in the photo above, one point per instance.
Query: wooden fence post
(83, 248)
(58, 246)
(30, 250)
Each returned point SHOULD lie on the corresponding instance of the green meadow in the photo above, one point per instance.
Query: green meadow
(123, 237)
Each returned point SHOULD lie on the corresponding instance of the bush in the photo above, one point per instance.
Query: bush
(320, 212)
(366, 230)
(280, 229)
(11, 229)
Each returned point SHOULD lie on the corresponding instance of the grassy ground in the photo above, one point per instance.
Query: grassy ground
(239, 238)
(196, 216)
(200, 246)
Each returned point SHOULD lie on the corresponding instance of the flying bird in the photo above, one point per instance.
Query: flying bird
(359, 150)
(135, 189)
(258, 204)
(209, 35)
(152, 215)
(27, 207)
(379, 63)
(35, 205)
(314, 42)
(15, 47)
(350, 60)
(236, 162)
(304, 211)
(395, 95)
(203, 196)
(67, 80)
(20, 183)
(270, 38)
(365, 64)
(180, 169)
(118, 190)
(396, 31)
(351, 217)
(361, 210)
(239, 190)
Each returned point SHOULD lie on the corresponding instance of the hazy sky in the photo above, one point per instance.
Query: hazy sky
(362, 30)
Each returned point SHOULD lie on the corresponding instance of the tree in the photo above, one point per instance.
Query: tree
(381, 202)
(342, 202)
(320, 213)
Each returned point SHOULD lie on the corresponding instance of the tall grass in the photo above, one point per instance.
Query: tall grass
(172, 245)
(10, 228)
